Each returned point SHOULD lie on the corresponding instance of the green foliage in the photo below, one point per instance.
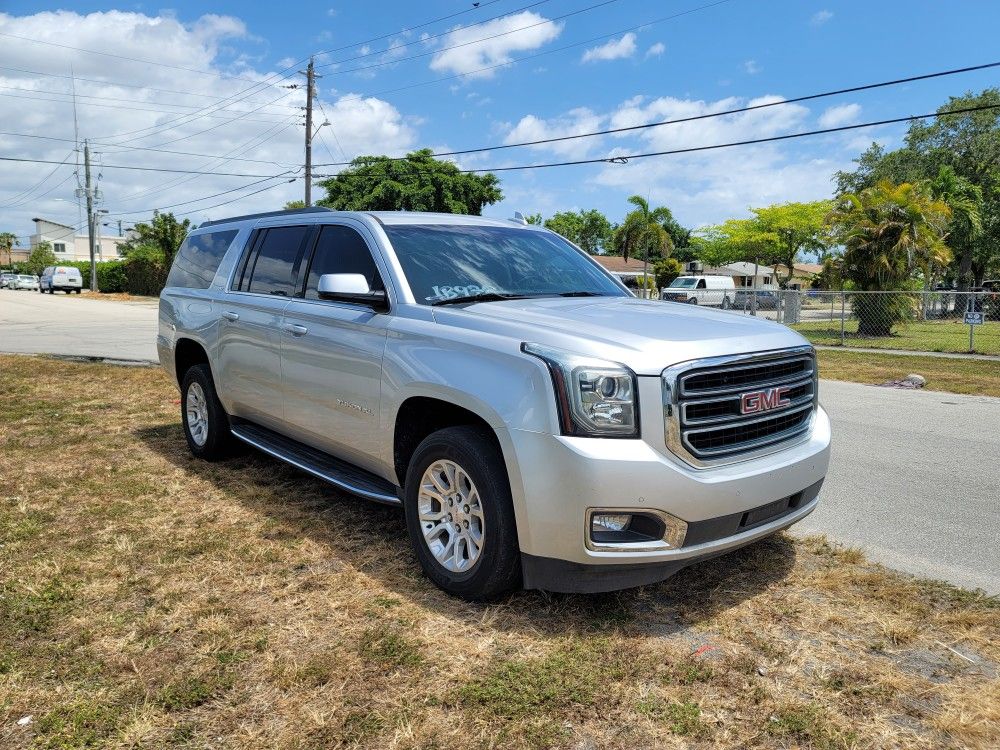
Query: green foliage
(163, 234)
(666, 270)
(387, 648)
(887, 232)
(535, 219)
(417, 183)
(8, 241)
(291, 205)
(797, 227)
(589, 229)
(642, 234)
(40, 258)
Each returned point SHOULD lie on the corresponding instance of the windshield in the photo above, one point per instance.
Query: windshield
(683, 282)
(445, 262)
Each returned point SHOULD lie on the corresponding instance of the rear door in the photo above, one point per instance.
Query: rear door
(248, 357)
(331, 353)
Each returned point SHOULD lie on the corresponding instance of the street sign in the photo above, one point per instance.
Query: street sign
(975, 318)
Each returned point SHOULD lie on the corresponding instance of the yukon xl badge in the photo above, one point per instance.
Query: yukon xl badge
(766, 400)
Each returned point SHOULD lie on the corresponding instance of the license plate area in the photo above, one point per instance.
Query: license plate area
(766, 512)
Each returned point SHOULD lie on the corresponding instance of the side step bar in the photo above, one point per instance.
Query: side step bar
(338, 473)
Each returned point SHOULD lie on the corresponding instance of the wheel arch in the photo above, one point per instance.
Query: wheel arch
(187, 354)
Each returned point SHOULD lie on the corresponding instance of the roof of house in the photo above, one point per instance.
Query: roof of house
(55, 223)
(807, 269)
(617, 264)
(746, 269)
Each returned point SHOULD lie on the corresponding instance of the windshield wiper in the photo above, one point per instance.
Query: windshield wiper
(580, 294)
(485, 297)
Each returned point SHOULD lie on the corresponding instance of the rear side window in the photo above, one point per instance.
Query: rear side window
(272, 265)
(198, 259)
(341, 250)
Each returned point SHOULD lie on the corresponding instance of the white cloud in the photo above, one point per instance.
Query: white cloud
(286, 62)
(515, 33)
(656, 50)
(574, 122)
(123, 105)
(752, 67)
(615, 49)
(842, 114)
(821, 17)
(331, 12)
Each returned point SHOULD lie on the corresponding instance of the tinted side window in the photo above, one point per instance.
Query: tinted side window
(276, 264)
(198, 259)
(341, 250)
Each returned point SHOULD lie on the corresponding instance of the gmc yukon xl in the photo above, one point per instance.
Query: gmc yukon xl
(539, 425)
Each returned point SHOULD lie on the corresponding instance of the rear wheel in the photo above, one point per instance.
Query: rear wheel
(460, 516)
(206, 424)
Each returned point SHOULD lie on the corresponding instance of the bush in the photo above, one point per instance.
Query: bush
(144, 276)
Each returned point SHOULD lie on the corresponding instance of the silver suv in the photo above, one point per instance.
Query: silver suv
(539, 425)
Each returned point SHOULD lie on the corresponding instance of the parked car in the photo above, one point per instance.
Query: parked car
(767, 299)
(25, 281)
(61, 278)
(6, 278)
(710, 291)
(538, 425)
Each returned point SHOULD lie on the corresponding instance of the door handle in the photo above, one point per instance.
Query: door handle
(295, 329)
(231, 316)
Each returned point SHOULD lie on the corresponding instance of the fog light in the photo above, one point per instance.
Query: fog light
(600, 522)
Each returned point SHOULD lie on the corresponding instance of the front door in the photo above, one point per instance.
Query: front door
(249, 354)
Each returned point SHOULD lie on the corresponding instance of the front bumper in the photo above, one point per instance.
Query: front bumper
(556, 479)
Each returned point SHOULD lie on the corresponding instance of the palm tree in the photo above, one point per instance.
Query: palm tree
(8, 241)
(643, 231)
(888, 231)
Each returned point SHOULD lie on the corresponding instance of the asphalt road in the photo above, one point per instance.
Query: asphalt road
(33, 323)
(914, 481)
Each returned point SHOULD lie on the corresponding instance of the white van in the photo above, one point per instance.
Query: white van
(711, 291)
(66, 278)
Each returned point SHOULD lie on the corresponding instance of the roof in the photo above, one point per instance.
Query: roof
(807, 269)
(746, 269)
(55, 223)
(617, 264)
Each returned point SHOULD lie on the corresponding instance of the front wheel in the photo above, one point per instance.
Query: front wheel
(460, 516)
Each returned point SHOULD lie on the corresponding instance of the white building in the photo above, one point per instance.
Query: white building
(70, 246)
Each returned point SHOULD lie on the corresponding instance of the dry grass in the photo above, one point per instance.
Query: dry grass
(973, 376)
(150, 600)
(115, 297)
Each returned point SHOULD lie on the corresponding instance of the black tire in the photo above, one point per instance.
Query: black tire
(218, 442)
(77, 291)
(693, 301)
(725, 303)
(497, 571)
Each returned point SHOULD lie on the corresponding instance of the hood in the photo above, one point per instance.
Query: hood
(645, 335)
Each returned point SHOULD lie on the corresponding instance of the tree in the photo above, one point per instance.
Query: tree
(589, 229)
(747, 240)
(534, 219)
(417, 183)
(966, 203)
(161, 238)
(8, 241)
(797, 227)
(887, 232)
(642, 232)
(41, 257)
(666, 270)
(291, 205)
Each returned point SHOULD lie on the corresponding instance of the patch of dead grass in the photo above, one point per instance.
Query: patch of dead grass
(151, 600)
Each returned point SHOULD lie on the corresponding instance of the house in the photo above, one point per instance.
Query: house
(70, 246)
(802, 273)
(621, 268)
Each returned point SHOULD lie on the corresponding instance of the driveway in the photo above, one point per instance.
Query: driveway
(914, 482)
(32, 323)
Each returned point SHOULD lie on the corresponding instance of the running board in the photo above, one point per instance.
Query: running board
(338, 473)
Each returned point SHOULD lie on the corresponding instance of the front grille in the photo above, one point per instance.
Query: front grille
(719, 411)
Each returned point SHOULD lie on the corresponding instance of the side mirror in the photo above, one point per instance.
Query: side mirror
(351, 287)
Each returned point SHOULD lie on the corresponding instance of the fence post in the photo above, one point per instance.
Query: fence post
(843, 307)
(970, 306)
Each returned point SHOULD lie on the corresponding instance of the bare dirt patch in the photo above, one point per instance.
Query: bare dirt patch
(151, 600)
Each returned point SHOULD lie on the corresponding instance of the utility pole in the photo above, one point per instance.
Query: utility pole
(310, 74)
(89, 190)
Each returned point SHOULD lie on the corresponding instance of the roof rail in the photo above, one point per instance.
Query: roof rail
(287, 212)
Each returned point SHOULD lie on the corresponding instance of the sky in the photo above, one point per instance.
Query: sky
(209, 82)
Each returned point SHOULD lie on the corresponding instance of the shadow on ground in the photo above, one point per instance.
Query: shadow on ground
(372, 539)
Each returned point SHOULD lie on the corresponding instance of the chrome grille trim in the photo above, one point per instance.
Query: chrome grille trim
(740, 437)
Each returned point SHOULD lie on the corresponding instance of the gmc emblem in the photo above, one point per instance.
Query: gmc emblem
(766, 400)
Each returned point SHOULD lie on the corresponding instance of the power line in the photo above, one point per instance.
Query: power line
(22, 197)
(466, 44)
(206, 197)
(706, 116)
(139, 169)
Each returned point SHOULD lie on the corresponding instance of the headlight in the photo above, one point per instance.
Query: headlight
(596, 398)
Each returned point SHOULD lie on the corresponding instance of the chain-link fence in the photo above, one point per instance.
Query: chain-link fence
(939, 321)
